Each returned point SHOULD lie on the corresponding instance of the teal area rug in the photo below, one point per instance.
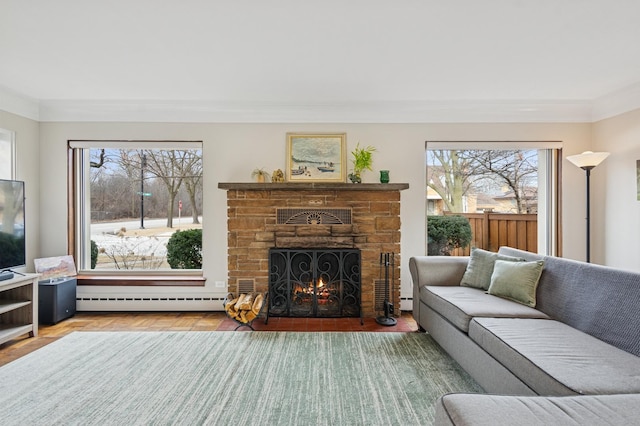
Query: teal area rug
(226, 378)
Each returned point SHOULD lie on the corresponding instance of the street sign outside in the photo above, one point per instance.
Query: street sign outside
(144, 194)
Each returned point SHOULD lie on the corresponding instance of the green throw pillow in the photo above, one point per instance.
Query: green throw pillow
(517, 281)
(480, 268)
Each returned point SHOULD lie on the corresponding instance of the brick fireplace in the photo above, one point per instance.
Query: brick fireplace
(313, 215)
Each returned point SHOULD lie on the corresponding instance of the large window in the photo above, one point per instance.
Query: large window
(138, 207)
(506, 190)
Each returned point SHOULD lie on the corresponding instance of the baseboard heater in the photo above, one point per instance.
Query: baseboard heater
(94, 299)
(149, 303)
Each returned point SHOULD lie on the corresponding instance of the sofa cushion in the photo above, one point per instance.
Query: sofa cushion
(516, 281)
(553, 358)
(495, 410)
(596, 299)
(480, 268)
(460, 304)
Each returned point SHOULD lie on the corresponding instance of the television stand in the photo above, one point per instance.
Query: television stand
(18, 307)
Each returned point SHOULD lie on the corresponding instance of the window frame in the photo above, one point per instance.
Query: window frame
(79, 247)
(9, 137)
(550, 227)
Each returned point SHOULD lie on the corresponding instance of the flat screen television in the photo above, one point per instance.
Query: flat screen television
(12, 224)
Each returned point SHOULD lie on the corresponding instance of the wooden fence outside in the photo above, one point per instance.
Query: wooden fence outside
(491, 230)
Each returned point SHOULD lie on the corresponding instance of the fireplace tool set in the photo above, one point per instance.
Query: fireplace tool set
(387, 262)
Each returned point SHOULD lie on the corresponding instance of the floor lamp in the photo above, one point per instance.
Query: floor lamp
(587, 161)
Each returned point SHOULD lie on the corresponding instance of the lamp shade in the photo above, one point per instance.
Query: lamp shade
(588, 159)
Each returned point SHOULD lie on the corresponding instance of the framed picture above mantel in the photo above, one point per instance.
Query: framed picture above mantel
(316, 157)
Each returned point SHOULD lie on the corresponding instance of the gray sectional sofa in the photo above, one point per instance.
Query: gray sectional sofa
(579, 336)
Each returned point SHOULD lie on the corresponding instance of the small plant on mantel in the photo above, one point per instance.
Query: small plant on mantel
(260, 175)
(362, 160)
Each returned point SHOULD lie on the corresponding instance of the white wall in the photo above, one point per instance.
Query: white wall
(232, 151)
(617, 229)
(27, 170)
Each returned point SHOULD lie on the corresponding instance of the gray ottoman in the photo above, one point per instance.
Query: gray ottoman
(491, 410)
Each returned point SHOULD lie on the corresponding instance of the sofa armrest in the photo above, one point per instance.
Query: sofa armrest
(437, 270)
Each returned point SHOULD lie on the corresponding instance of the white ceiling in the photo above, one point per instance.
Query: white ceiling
(333, 60)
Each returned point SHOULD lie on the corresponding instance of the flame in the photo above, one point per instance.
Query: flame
(320, 289)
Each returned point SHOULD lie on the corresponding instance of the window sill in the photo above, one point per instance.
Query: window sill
(142, 281)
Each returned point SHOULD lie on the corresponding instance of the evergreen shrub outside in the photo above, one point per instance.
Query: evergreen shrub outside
(94, 254)
(446, 233)
(184, 249)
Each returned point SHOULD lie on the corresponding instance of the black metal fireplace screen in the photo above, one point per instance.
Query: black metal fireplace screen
(314, 283)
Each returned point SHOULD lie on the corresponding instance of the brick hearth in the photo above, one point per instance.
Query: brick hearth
(253, 229)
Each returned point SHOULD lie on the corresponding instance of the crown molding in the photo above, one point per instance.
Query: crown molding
(18, 104)
(470, 111)
(616, 103)
(339, 112)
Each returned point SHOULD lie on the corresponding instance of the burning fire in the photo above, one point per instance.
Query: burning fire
(321, 289)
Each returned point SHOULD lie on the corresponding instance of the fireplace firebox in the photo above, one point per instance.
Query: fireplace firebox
(314, 283)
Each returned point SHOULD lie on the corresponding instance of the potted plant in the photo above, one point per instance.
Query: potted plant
(260, 175)
(362, 160)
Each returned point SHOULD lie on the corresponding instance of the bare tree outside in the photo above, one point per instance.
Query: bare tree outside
(193, 180)
(168, 166)
(129, 187)
(449, 173)
(494, 191)
(508, 177)
(516, 170)
(109, 177)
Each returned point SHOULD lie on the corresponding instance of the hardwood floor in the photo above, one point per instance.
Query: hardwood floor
(185, 321)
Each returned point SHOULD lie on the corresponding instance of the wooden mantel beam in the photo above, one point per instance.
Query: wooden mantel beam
(310, 186)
